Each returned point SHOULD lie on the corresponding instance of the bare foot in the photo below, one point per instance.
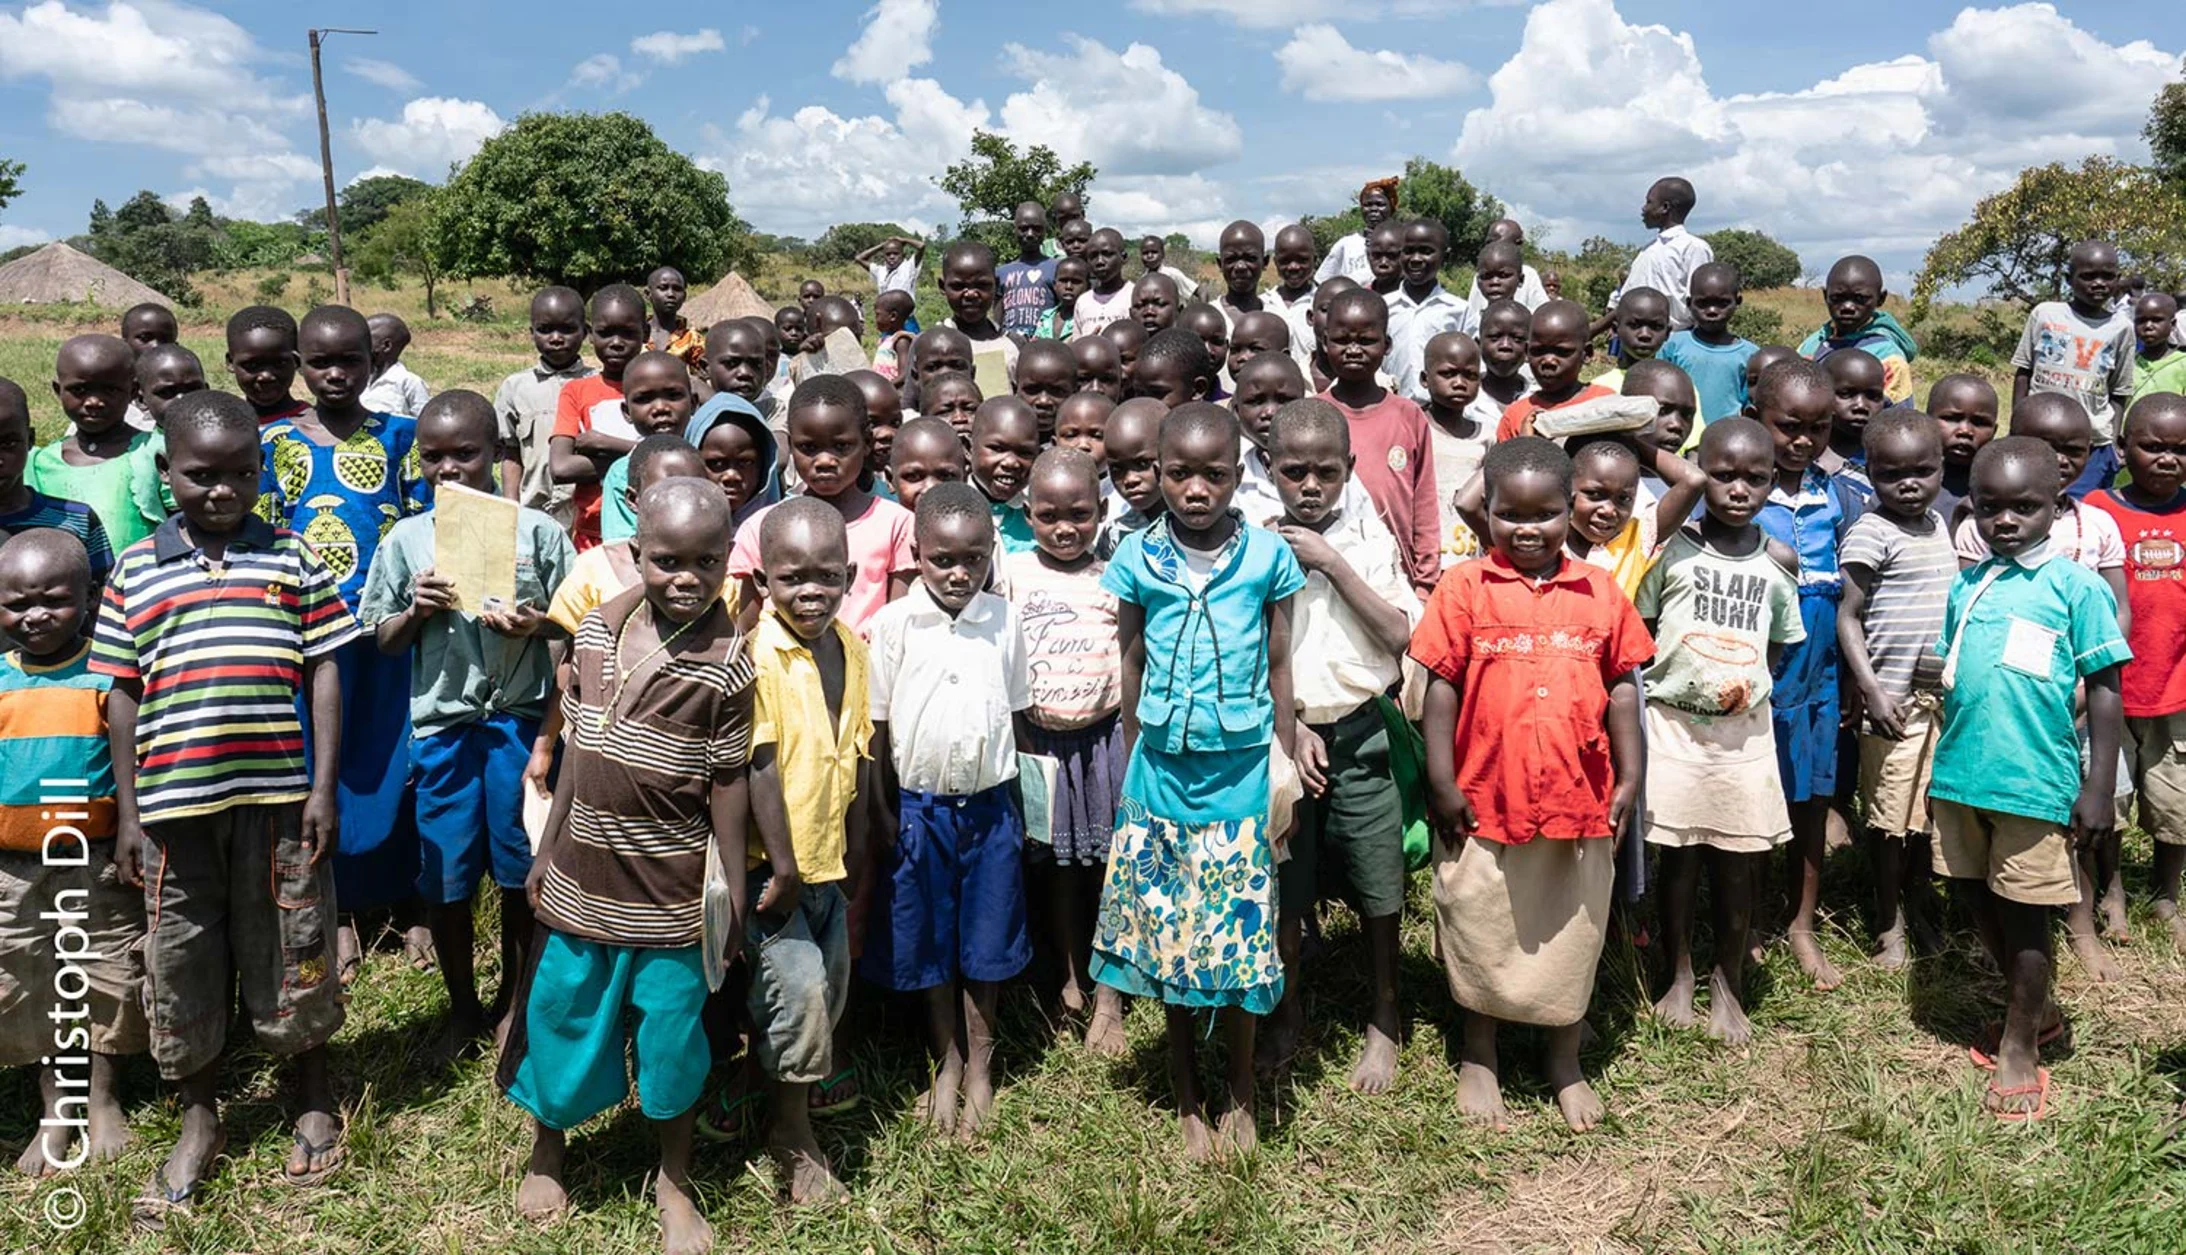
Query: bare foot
(2174, 919)
(1480, 1095)
(1890, 950)
(2114, 925)
(1238, 1131)
(1278, 1038)
(37, 1159)
(806, 1174)
(1807, 948)
(541, 1198)
(1727, 1021)
(1675, 1008)
(1377, 1063)
(1198, 1142)
(1582, 1107)
(682, 1230)
(2095, 958)
(348, 954)
(978, 1108)
(937, 1106)
(1105, 1037)
(109, 1134)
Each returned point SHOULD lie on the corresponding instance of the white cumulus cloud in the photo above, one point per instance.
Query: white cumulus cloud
(603, 72)
(433, 133)
(1320, 64)
(898, 37)
(383, 73)
(12, 236)
(1126, 112)
(671, 48)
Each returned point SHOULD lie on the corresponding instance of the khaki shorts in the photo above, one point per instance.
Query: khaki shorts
(2021, 859)
(2155, 759)
(1894, 773)
(83, 965)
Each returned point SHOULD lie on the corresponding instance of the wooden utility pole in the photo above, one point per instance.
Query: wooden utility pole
(326, 163)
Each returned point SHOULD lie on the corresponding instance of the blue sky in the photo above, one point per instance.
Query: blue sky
(1872, 129)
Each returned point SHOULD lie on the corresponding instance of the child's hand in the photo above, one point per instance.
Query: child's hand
(533, 880)
(321, 824)
(1312, 549)
(129, 853)
(1450, 813)
(538, 768)
(1621, 800)
(1884, 713)
(434, 593)
(779, 898)
(1312, 761)
(2094, 817)
(521, 623)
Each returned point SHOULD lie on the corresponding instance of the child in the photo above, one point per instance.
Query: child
(1133, 445)
(597, 574)
(967, 284)
(953, 397)
(1965, 407)
(1047, 373)
(2148, 509)
(164, 372)
(1515, 279)
(1388, 433)
(1853, 294)
(1527, 648)
(1082, 424)
(1809, 510)
(1174, 368)
(1421, 308)
(2021, 635)
(2159, 366)
(812, 730)
(395, 388)
(928, 451)
(1611, 526)
(1505, 326)
(1349, 627)
(1385, 257)
(1058, 321)
(1109, 299)
(94, 377)
(147, 325)
(883, 418)
(1347, 256)
(1723, 603)
(1898, 565)
(23, 508)
(1669, 260)
(1206, 322)
(1154, 260)
(1072, 236)
(1641, 326)
(339, 476)
(1461, 421)
(658, 695)
(1676, 407)
(1242, 254)
(1005, 440)
(949, 676)
(938, 351)
(591, 427)
(1262, 391)
(1254, 333)
(1496, 270)
(67, 911)
(1709, 353)
(527, 400)
(1129, 339)
(479, 685)
(657, 399)
(1100, 366)
(891, 319)
(789, 325)
(1555, 349)
(1155, 299)
(221, 619)
(262, 356)
(893, 265)
(1858, 378)
(1027, 280)
(1292, 295)
(809, 294)
(668, 330)
(828, 440)
(1076, 674)
(1188, 910)
(2080, 347)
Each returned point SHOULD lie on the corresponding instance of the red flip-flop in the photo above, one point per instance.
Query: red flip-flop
(2040, 1089)
(1983, 1052)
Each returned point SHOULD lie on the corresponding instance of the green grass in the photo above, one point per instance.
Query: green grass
(1852, 1123)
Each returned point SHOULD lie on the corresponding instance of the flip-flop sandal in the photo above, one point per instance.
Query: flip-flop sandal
(1983, 1052)
(2040, 1090)
(331, 1148)
(732, 1117)
(160, 1202)
(837, 1094)
(421, 954)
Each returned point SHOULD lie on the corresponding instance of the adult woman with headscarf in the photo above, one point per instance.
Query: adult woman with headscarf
(1347, 256)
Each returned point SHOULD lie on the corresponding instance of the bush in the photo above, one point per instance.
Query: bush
(1762, 262)
(1985, 339)
(474, 307)
(316, 293)
(271, 288)
(1758, 324)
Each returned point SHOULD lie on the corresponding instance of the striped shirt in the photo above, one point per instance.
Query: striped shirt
(1913, 565)
(53, 739)
(73, 517)
(219, 651)
(645, 751)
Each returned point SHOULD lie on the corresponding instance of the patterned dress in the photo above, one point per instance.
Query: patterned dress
(342, 498)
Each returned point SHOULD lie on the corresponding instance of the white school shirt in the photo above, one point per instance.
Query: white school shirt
(1530, 294)
(947, 687)
(1336, 665)
(904, 278)
(1295, 316)
(1411, 325)
(1346, 256)
(1257, 499)
(1187, 288)
(1667, 265)
(398, 390)
(1094, 313)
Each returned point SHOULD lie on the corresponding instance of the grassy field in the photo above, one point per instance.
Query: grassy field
(1852, 1123)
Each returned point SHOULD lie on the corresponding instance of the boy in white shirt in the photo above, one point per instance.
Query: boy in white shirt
(396, 389)
(1669, 260)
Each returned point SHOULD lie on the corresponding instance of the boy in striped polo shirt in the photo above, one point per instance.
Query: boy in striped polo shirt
(212, 627)
(63, 907)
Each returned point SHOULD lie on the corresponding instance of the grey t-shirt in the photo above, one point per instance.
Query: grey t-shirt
(2090, 360)
(1913, 565)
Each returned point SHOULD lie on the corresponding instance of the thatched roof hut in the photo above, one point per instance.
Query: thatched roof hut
(733, 297)
(57, 274)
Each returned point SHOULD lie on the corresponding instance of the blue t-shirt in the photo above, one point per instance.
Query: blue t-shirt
(1028, 291)
(1205, 686)
(1718, 371)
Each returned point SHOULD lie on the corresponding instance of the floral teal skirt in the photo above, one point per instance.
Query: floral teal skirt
(1188, 910)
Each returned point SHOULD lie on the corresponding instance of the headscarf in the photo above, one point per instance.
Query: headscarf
(727, 407)
(1387, 187)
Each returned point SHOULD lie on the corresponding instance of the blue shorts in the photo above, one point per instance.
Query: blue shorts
(594, 1012)
(949, 900)
(470, 806)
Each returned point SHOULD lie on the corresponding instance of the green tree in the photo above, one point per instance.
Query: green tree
(1433, 190)
(2166, 132)
(2017, 242)
(365, 202)
(1762, 261)
(11, 181)
(149, 242)
(995, 179)
(405, 243)
(585, 199)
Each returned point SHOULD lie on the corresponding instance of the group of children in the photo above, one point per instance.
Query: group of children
(1124, 671)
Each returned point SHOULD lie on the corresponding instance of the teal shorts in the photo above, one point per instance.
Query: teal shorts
(595, 1012)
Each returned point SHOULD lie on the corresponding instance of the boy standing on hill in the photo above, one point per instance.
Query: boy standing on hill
(2081, 347)
(1669, 260)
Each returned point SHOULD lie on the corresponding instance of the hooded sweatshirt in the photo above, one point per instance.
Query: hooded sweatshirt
(618, 521)
(1883, 336)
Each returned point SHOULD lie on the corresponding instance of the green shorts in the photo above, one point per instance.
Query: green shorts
(1349, 843)
(593, 1013)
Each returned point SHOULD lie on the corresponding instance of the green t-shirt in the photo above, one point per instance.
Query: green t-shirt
(2166, 374)
(1715, 617)
(109, 488)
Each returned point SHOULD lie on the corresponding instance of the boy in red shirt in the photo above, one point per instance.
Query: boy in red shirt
(2151, 514)
(1395, 463)
(1533, 764)
(591, 432)
(1555, 350)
